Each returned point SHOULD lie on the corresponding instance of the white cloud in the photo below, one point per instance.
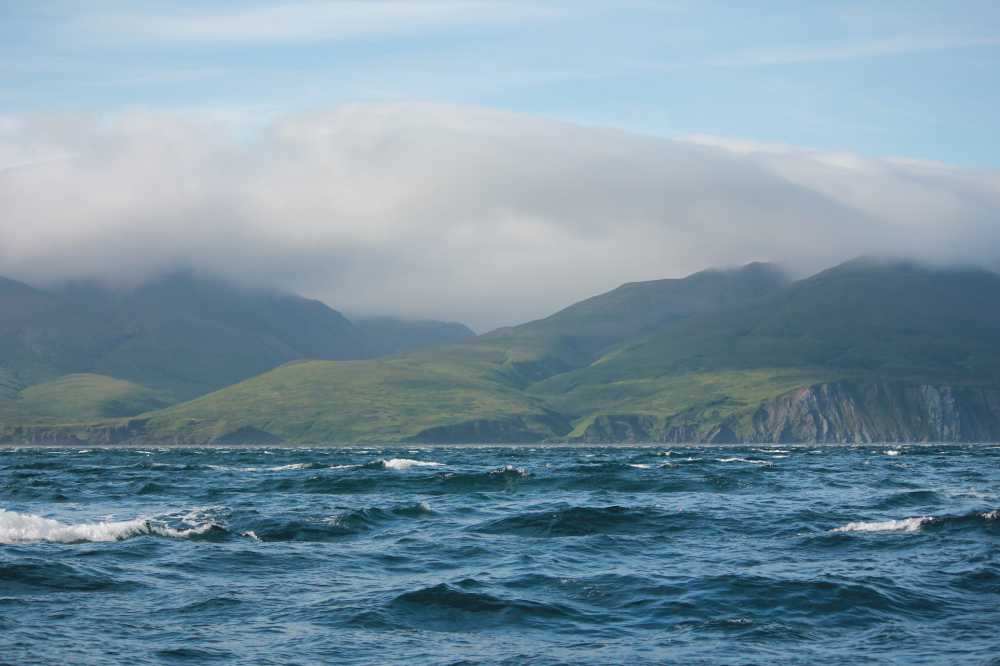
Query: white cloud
(887, 46)
(314, 21)
(455, 212)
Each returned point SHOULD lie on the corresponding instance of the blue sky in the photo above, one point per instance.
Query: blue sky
(917, 79)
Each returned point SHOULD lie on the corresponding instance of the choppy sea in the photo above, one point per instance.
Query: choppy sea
(501, 555)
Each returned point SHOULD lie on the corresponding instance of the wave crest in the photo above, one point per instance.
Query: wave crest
(917, 523)
(29, 528)
(402, 463)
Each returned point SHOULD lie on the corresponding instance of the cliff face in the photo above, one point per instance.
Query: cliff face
(879, 412)
(129, 432)
(839, 412)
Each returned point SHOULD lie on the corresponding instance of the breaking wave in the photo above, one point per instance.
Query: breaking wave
(29, 528)
(917, 523)
(402, 464)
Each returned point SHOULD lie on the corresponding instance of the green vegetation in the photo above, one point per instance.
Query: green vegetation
(387, 336)
(182, 335)
(696, 358)
(363, 401)
(79, 398)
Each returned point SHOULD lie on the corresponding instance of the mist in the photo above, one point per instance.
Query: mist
(458, 213)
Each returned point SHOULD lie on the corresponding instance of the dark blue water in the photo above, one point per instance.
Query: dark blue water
(501, 555)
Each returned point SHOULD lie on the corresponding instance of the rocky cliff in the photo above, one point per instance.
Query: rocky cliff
(880, 412)
(837, 412)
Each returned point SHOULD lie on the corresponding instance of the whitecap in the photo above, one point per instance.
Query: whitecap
(639, 465)
(902, 525)
(28, 528)
(745, 460)
(407, 463)
(891, 452)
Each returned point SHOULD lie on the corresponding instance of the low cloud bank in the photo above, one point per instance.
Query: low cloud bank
(453, 212)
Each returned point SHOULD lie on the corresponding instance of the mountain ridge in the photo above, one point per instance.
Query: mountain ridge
(852, 353)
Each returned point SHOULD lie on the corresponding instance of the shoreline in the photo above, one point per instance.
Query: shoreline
(489, 445)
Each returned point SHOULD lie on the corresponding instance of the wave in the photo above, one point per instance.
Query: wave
(401, 464)
(345, 524)
(584, 521)
(28, 528)
(281, 468)
(36, 575)
(765, 463)
(904, 498)
(918, 523)
(305, 465)
(452, 607)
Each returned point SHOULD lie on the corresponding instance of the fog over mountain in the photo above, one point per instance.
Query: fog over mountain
(458, 213)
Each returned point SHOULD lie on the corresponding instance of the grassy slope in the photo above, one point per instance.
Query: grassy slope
(708, 347)
(183, 335)
(857, 320)
(480, 379)
(190, 336)
(727, 393)
(78, 398)
(363, 401)
(893, 320)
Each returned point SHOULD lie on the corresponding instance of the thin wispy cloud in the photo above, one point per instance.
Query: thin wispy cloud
(310, 21)
(801, 54)
(903, 78)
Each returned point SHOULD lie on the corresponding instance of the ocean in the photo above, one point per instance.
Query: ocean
(501, 555)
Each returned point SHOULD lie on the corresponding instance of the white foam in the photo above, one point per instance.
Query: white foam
(278, 468)
(283, 468)
(407, 463)
(28, 528)
(892, 452)
(745, 460)
(903, 525)
(639, 465)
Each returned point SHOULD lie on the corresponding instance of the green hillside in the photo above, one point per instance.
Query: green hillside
(892, 320)
(78, 398)
(362, 401)
(181, 335)
(862, 351)
(579, 334)
(388, 336)
(862, 321)
(43, 335)
(468, 391)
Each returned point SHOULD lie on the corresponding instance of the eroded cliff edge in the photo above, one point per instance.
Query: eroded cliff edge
(837, 412)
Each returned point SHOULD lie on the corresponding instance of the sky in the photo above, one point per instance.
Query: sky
(491, 161)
